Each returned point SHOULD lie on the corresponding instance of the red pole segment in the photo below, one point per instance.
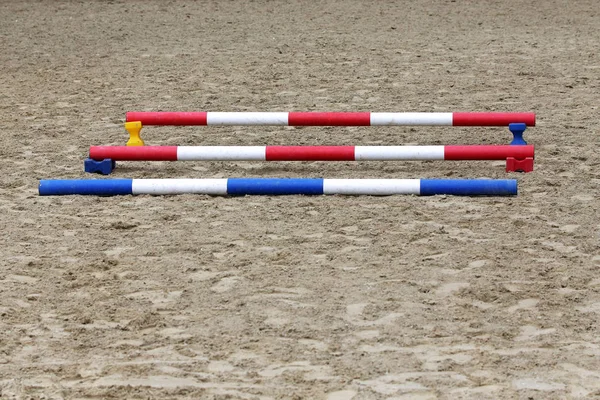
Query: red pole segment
(167, 118)
(134, 153)
(491, 118)
(493, 152)
(329, 118)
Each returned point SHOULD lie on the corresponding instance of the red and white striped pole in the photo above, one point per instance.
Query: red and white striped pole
(333, 118)
(309, 153)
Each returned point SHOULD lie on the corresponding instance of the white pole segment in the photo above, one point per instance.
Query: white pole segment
(221, 153)
(411, 118)
(383, 153)
(246, 118)
(375, 187)
(179, 186)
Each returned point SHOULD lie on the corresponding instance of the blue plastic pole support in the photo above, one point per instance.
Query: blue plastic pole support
(517, 130)
(104, 167)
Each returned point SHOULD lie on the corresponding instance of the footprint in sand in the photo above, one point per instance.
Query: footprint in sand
(387, 386)
(404, 383)
(156, 297)
(560, 247)
(276, 318)
(354, 316)
(314, 344)
(341, 395)
(583, 197)
(20, 279)
(116, 252)
(477, 264)
(449, 288)
(590, 308)
(536, 384)
(367, 334)
(200, 276)
(569, 228)
(310, 372)
(174, 333)
(530, 332)
(523, 305)
(225, 284)
(220, 366)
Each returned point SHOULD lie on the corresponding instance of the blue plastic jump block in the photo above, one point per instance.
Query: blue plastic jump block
(517, 130)
(104, 167)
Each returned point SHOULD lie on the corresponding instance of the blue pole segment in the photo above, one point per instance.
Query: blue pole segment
(469, 187)
(274, 186)
(96, 187)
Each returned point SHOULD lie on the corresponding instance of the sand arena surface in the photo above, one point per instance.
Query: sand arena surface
(299, 297)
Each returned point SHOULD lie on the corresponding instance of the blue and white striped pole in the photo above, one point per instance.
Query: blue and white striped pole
(279, 186)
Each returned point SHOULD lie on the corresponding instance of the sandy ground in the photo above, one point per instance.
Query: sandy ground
(295, 297)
